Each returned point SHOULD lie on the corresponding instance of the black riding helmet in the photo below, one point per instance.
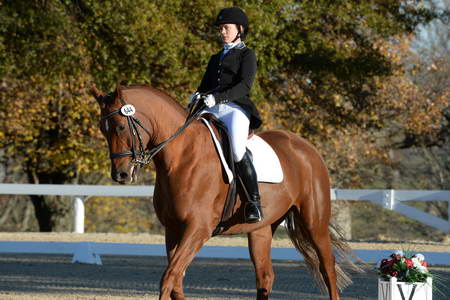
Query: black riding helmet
(233, 15)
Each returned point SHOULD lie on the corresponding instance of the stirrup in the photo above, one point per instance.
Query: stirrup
(255, 215)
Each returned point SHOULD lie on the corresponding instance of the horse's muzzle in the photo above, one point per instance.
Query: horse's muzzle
(121, 177)
(124, 176)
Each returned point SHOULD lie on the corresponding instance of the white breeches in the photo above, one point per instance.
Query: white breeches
(237, 123)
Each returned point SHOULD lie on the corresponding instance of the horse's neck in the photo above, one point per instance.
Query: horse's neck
(181, 150)
(166, 117)
(163, 113)
(165, 121)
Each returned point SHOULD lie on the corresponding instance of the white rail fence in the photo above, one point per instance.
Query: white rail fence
(396, 200)
(390, 199)
(79, 193)
(89, 252)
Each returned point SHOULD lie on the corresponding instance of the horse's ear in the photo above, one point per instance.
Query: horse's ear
(118, 91)
(98, 94)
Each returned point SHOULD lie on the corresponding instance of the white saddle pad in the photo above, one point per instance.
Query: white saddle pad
(265, 160)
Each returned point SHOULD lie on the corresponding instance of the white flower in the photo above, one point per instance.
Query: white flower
(420, 257)
(416, 262)
(422, 269)
(398, 252)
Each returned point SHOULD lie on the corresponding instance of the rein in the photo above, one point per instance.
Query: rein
(143, 156)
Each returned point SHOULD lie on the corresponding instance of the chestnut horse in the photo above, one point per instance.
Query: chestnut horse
(190, 189)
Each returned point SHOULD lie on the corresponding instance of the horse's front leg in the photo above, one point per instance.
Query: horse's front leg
(259, 243)
(172, 239)
(180, 255)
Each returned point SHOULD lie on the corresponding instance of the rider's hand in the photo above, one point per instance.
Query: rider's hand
(209, 100)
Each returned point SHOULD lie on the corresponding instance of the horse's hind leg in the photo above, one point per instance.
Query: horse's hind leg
(259, 243)
(327, 263)
(317, 226)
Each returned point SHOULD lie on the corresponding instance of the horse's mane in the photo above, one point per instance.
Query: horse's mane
(163, 95)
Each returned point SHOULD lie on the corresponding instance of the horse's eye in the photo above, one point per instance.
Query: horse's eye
(120, 128)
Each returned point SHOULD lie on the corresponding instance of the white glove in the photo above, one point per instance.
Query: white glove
(193, 97)
(209, 100)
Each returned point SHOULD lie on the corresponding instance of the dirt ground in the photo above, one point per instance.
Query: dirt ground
(39, 277)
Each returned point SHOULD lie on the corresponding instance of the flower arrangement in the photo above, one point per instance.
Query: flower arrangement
(406, 268)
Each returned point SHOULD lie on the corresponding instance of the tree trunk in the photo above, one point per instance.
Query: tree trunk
(43, 213)
(46, 209)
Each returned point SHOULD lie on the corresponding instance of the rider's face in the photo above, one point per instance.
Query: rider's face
(228, 32)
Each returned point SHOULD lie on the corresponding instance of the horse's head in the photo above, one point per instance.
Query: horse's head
(126, 134)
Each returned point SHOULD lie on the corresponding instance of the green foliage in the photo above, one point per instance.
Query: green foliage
(372, 223)
(106, 214)
(327, 53)
(320, 68)
(47, 119)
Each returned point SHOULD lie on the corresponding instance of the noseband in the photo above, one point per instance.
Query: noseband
(142, 156)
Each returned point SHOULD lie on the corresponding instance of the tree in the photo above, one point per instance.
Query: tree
(47, 119)
(416, 138)
(321, 65)
(427, 151)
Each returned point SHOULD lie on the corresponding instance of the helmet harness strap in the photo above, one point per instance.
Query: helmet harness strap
(238, 35)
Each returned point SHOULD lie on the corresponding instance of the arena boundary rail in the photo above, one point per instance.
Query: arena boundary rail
(90, 252)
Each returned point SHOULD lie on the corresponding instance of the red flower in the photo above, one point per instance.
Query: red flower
(386, 263)
(393, 273)
(424, 264)
(409, 263)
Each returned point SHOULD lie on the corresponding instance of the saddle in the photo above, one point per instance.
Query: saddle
(265, 160)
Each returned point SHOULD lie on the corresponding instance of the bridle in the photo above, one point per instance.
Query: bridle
(141, 156)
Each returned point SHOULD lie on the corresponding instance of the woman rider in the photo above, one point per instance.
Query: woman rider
(227, 82)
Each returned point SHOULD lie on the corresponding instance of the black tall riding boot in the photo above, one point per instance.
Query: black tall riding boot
(253, 211)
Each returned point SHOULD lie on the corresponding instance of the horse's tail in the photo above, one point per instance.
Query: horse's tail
(303, 242)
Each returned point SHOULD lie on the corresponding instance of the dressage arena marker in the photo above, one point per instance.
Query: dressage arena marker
(90, 252)
(85, 254)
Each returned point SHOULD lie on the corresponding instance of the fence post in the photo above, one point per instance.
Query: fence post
(448, 214)
(388, 199)
(78, 206)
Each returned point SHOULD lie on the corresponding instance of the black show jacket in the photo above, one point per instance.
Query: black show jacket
(231, 78)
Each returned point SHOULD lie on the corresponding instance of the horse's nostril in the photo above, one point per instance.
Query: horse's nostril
(123, 175)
